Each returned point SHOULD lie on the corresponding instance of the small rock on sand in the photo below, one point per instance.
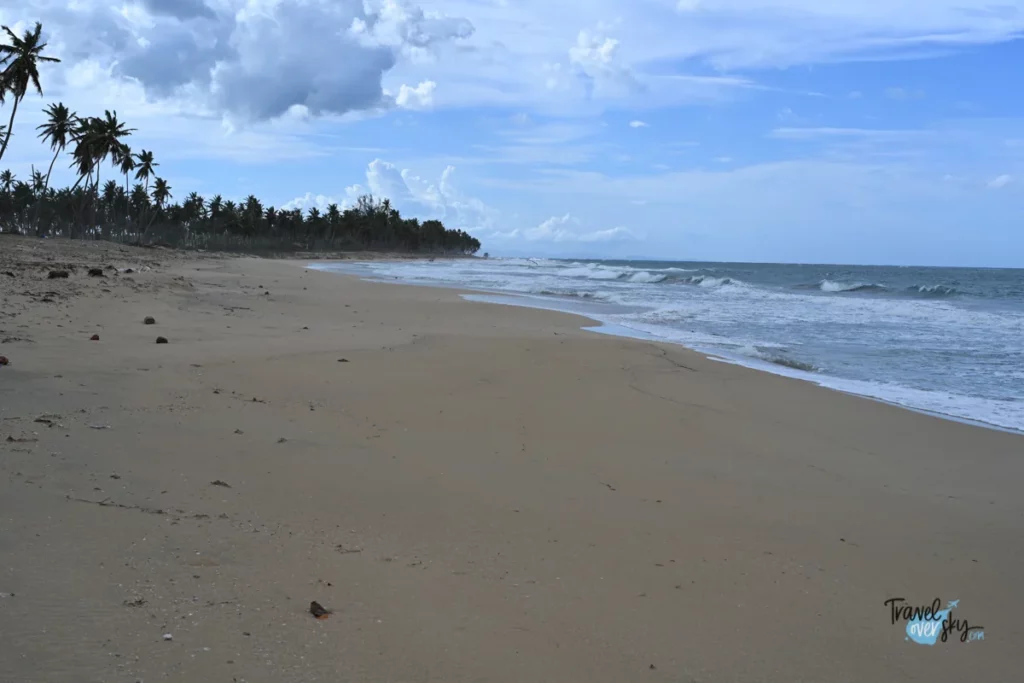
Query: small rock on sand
(149, 320)
(161, 340)
(96, 272)
(57, 274)
(318, 611)
(4, 361)
(94, 337)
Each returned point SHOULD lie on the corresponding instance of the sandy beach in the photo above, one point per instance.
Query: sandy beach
(478, 492)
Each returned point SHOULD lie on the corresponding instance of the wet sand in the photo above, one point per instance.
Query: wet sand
(478, 492)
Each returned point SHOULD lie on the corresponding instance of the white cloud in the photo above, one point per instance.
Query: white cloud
(413, 196)
(1000, 182)
(638, 124)
(255, 59)
(252, 60)
(420, 97)
(554, 230)
(594, 58)
(309, 201)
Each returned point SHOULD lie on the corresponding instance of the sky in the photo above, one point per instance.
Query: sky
(827, 131)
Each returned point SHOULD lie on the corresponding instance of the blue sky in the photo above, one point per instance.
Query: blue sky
(876, 131)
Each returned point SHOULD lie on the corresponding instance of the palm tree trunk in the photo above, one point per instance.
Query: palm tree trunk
(46, 184)
(79, 211)
(50, 170)
(145, 214)
(10, 127)
(96, 208)
(127, 206)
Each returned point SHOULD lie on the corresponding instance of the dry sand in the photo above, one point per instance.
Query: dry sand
(481, 493)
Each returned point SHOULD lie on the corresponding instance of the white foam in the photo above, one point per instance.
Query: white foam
(644, 276)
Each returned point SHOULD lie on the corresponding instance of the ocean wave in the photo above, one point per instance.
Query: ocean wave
(845, 287)
(936, 291)
(591, 272)
(573, 294)
(626, 274)
(836, 287)
(643, 276)
(773, 356)
(708, 281)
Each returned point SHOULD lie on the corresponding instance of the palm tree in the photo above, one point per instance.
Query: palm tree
(106, 141)
(57, 131)
(126, 164)
(38, 182)
(145, 167)
(6, 180)
(21, 59)
(83, 158)
(161, 192)
(139, 197)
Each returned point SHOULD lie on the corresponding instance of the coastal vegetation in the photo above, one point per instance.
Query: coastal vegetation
(118, 194)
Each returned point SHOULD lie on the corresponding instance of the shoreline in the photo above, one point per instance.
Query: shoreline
(501, 298)
(478, 493)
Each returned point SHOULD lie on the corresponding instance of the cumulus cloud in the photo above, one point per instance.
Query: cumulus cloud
(310, 201)
(420, 97)
(255, 60)
(258, 58)
(637, 124)
(594, 57)
(412, 195)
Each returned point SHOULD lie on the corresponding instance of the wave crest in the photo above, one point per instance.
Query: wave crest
(771, 355)
(934, 290)
(836, 287)
(709, 281)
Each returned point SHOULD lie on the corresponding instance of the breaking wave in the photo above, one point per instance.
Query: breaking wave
(708, 281)
(936, 291)
(836, 287)
(652, 276)
(845, 287)
(573, 294)
(773, 356)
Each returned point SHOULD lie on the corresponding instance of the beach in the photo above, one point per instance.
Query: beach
(478, 492)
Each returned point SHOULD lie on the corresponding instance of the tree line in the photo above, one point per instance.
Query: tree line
(135, 205)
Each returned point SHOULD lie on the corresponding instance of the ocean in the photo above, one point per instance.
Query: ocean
(948, 341)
